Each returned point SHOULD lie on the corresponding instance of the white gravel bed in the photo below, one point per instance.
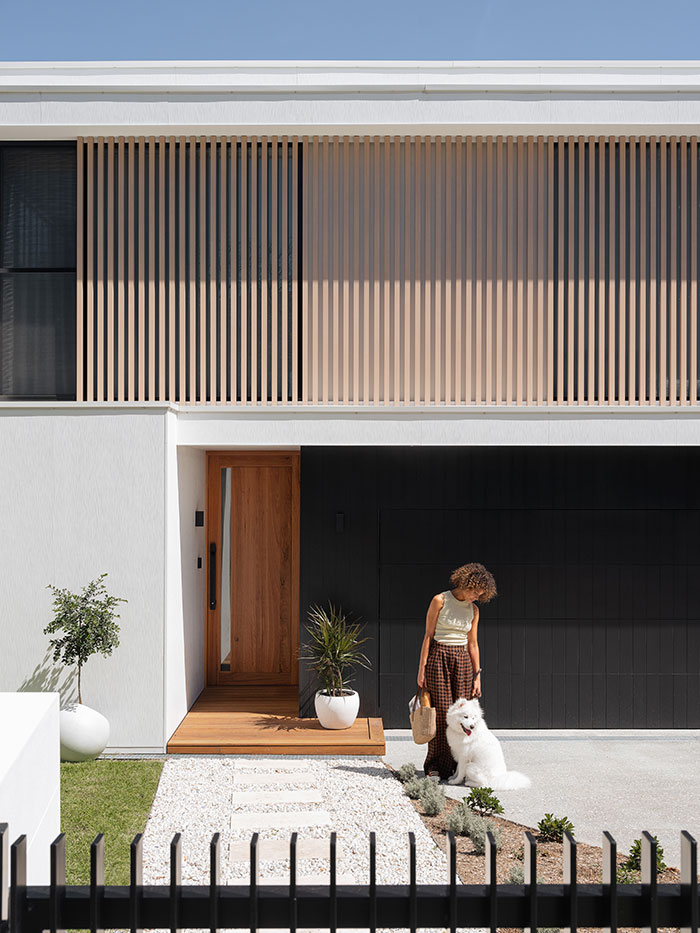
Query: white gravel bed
(196, 796)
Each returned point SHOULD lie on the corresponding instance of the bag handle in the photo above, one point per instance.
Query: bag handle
(416, 699)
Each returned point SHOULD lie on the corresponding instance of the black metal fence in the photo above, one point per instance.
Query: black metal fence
(57, 906)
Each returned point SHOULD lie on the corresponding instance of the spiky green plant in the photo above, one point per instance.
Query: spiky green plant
(333, 648)
(87, 621)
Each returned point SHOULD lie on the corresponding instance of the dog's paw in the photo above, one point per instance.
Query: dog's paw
(454, 779)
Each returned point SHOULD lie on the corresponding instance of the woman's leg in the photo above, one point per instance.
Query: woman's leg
(438, 683)
(462, 675)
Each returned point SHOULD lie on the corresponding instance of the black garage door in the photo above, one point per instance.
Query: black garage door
(596, 556)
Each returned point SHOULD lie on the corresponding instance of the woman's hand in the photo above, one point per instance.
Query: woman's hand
(476, 687)
(420, 680)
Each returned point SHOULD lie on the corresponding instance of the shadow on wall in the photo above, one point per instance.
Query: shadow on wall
(49, 677)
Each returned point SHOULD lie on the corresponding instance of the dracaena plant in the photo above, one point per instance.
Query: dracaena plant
(333, 649)
(86, 623)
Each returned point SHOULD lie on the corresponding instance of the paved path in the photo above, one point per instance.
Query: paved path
(274, 797)
(625, 781)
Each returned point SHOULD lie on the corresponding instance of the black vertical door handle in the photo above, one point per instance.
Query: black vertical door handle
(212, 575)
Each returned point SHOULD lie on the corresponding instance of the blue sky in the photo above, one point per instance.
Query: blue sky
(41, 30)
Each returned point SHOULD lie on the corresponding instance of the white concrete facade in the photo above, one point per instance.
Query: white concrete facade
(92, 487)
(55, 100)
(30, 798)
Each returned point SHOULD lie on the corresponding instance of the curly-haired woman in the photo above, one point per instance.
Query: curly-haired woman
(449, 659)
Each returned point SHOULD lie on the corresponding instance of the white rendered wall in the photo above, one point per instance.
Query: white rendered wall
(30, 780)
(185, 616)
(82, 493)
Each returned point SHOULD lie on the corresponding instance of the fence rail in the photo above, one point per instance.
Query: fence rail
(57, 906)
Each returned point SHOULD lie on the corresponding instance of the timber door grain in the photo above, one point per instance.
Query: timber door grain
(252, 567)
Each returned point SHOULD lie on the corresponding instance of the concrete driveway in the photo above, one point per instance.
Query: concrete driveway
(622, 781)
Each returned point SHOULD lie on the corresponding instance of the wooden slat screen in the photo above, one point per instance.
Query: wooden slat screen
(190, 260)
(394, 271)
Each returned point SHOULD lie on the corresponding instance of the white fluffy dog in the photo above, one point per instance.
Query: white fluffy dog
(477, 751)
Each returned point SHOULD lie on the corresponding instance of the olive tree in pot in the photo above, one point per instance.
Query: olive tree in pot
(84, 624)
(332, 651)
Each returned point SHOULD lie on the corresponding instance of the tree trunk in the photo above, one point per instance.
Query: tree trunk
(80, 696)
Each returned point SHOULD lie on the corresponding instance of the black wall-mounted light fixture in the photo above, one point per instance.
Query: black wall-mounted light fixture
(199, 519)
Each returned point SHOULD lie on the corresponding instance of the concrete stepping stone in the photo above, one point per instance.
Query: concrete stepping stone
(294, 819)
(270, 764)
(271, 777)
(252, 797)
(279, 848)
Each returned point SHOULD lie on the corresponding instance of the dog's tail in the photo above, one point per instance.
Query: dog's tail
(513, 780)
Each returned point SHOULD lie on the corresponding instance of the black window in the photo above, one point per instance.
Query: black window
(37, 271)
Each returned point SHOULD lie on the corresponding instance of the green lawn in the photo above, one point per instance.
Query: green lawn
(110, 797)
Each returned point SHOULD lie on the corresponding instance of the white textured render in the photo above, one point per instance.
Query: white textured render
(68, 99)
(30, 798)
(83, 494)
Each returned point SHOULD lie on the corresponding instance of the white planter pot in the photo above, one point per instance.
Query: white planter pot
(84, 733)
(337, 712)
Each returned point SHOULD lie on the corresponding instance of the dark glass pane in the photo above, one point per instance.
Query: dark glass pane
(37, 201)
(37, 335)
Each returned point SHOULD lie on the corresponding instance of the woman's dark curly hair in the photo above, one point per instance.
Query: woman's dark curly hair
(474, 577)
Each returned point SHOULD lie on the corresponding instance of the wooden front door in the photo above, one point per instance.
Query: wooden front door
(252, 567)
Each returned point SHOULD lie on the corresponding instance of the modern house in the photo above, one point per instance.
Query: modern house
(274, 334)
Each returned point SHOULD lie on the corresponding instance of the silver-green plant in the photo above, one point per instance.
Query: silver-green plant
(87, 621)
(432, 798)
(414, 787)
(407, 772)
(334, 648)
(478, 835)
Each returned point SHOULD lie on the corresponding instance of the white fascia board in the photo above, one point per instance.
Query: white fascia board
(351, 76)
(62, 100)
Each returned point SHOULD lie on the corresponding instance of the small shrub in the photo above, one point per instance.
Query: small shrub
(407, 772)
(552, 828)
(478, 836)
(414, 787)
(517, 876)
(455, 821)
(626, 875)
(634, 859)
(432, 799)
(483, 801)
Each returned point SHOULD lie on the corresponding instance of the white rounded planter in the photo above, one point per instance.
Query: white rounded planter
(84, 733)
(337, 712)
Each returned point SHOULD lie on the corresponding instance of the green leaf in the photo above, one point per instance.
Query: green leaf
(333, 648)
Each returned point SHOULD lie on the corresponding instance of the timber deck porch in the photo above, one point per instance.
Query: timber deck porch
(264, 721)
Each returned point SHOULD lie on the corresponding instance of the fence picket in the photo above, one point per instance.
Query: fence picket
(647, 905)
(57, 859)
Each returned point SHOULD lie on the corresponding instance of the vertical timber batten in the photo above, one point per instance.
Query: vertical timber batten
(385, 270)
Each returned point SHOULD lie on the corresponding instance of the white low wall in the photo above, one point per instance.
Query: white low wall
(30, 777)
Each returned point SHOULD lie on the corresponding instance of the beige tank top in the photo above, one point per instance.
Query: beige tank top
(454, 620)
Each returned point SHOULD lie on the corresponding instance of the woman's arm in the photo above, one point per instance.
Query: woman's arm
(436, 604)
(473, 649)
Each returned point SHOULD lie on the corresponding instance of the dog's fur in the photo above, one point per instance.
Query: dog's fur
(477, 751)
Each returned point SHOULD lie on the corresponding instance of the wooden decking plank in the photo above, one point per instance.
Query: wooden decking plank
(263, 720)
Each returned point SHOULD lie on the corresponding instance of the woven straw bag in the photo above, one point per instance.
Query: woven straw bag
(423, 719)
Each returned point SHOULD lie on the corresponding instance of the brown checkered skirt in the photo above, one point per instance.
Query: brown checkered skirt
(448, 676)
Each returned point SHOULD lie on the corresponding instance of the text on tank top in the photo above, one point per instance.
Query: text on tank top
(454, 620)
